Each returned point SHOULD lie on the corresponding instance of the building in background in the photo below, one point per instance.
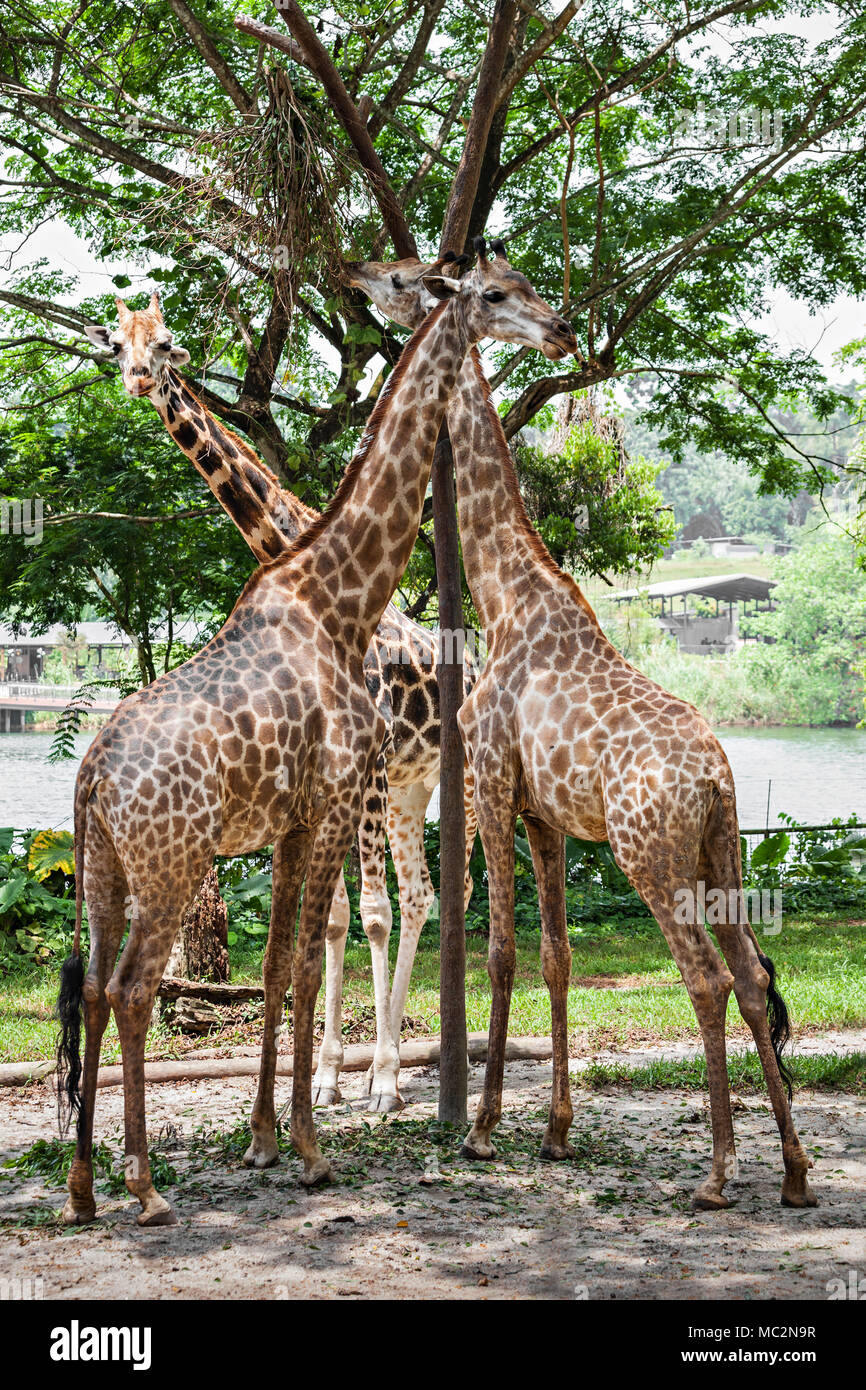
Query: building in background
(704, 614)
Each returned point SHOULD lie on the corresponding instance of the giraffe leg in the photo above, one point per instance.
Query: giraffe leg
(406, 810)
(548, 858)
(751, 982)
(326, 1090)
(330, 847)
(376, 919)
(105, 888)
(709, 984)
(496, 823)
(131, 992)
(471, 828)
(290, 861)
(721, 866)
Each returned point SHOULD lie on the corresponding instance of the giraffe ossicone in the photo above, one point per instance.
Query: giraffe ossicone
(565, 733)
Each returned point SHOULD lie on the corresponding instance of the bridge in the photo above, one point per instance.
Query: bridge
(17, 698)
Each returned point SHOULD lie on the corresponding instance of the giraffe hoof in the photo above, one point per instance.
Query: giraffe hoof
(798, 1193)
(158, 1212)
(327, 1095)
(477, 1150)
(317, 1174)
(385, 1103)
(78, 1215)
(708, 1200)
(554, 1152)
(262, 1153)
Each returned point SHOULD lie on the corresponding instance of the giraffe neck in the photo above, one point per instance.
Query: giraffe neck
(359, 548)
(504, 557)
(268, 517)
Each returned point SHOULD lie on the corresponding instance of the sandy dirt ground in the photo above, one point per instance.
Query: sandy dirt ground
(407, 1218)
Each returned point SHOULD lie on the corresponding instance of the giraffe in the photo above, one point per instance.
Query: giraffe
(267, 735)
(563, 732)
(400, 671)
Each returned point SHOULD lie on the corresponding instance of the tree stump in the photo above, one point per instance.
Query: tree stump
(201, 949)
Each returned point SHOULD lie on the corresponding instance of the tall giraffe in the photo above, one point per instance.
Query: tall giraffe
(268, 734)
(565, 733)
(400, 670)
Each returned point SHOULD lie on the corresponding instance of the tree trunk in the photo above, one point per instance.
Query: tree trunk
(453, 1072)
(201, 949)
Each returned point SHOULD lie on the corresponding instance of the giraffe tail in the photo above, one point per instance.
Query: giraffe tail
(68, 1077)
(724, 813)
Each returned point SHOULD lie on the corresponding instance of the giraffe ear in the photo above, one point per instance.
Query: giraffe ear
(178, 356)
(97, 335)
(440, 286)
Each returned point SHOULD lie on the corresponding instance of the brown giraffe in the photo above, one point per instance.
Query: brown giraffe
(400, 671)
(565, 733)
(268, 734)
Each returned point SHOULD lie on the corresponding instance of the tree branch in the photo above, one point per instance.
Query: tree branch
(317, 59)
(400, 86)
(462, 196)
(212, 56)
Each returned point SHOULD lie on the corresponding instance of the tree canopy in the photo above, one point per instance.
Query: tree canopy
(661, 173)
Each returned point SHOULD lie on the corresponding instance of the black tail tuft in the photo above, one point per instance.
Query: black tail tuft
(69, 1041)
(780, 1024)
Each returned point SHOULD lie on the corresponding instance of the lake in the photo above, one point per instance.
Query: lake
(815, 774)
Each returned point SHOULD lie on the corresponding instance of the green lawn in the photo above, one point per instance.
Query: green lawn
(626, 990)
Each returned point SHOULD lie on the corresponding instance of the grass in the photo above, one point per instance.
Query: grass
(626, 989)
(821, 1073)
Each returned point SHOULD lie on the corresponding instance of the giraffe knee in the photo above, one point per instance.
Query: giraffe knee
(750, 989)
(710, 988)
(376, 917)
(94, 1000)
(90, 991)
(339, 916)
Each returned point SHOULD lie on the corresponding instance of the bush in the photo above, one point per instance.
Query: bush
(37, 895)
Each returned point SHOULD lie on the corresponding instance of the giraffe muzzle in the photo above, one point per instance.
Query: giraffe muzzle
(560, 340)
(138, 384)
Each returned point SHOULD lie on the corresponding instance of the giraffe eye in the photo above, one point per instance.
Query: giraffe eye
(115, 348)
(164, 347)
(493, 296)
(396, 282)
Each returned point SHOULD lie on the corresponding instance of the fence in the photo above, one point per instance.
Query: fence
(806, 852)
(33, 695)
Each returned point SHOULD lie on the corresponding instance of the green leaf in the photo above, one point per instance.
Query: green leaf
(771, 851)
(12, 890)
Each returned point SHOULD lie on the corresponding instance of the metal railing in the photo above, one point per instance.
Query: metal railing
(41, 691)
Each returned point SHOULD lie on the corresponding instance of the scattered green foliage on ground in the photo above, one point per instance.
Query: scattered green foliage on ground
(50, 1159)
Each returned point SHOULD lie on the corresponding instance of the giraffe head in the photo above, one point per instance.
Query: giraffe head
(142, 345)
(498, 302)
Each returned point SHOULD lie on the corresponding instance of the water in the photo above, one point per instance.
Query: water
(36, 794)
(816, 774)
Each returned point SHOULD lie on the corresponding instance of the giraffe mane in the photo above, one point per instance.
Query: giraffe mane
(344, 491)
(539, 550)
(304, 514)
